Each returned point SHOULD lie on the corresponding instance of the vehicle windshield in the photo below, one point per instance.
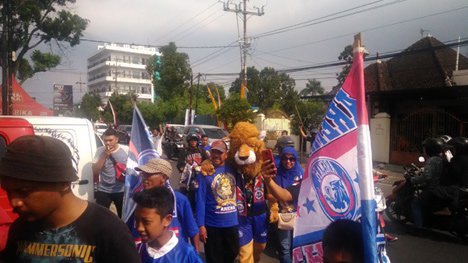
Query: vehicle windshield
(215, 133)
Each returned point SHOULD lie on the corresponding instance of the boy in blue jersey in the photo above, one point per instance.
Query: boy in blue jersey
(156, 172)
(217, 209)
(153, 216)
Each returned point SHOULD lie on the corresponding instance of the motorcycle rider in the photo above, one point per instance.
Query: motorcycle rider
(189, 161)
(459, 163)
(434, 198)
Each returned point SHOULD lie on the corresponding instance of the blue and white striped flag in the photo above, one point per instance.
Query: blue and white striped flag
(338, 182)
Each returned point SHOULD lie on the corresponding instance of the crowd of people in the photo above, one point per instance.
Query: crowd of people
(232, 216)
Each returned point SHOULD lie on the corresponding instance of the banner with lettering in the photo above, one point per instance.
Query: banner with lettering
(337, 183)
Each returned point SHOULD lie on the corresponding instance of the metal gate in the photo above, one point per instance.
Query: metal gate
(410, 131)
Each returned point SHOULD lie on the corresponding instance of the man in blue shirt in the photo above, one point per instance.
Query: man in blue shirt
(217, 209)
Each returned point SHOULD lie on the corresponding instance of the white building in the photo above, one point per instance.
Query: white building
(121, 68)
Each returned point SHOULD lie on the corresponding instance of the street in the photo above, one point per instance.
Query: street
(436, 246)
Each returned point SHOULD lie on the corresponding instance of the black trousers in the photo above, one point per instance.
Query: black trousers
(105, 199)
(222, 244)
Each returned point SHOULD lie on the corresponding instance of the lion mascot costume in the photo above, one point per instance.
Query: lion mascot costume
(245, 155)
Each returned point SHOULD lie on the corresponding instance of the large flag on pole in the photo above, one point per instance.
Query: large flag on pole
(141, 150)
(337, 183)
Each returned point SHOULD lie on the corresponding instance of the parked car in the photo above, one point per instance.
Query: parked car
(213, 132)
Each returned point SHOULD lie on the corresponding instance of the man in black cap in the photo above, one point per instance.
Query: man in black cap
(54, 225)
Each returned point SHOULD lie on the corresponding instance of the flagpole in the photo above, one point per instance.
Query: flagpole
(364, 154)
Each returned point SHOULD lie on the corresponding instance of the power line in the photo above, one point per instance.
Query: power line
(189, 20)
(327, 18)
(374, 28)
(198, 26)
(451, 43)
(315, 19)
(212, 55)
(372, 58)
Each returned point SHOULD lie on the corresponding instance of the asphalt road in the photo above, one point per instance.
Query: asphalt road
(434, 246)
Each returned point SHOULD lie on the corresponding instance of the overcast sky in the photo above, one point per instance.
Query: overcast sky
(387, 26)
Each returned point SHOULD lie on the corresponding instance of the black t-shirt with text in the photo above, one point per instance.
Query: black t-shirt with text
(96, 236)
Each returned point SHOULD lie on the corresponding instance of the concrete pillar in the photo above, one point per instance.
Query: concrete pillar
(380, 137)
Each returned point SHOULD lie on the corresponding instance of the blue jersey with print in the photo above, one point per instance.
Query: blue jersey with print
(182, 252)
(216, 199)
(185, 222)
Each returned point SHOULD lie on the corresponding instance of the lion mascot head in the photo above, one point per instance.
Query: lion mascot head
(245, 148)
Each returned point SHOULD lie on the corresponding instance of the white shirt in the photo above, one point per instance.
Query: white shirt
(157, 253)
(157, 141)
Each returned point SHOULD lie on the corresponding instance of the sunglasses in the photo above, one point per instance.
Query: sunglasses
(291, 159)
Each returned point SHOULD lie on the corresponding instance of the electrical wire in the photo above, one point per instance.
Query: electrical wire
(189, 20)
(198, 26)
(372, 28)
(328, 18)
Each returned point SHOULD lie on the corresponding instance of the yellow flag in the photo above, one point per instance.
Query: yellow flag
(212, 98)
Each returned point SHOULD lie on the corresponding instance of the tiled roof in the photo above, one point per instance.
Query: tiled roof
(426, 66)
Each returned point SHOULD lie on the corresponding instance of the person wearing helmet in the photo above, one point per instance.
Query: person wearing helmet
(459, 164)
(189, 161)
(434, 197)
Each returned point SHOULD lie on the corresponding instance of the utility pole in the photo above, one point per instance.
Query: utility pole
(244, 43)
(5, 59)
(80, 83)
(198, 91)
(190, 100)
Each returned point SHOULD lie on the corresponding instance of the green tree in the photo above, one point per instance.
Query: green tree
(311, 114)
(235, 109)
(268, 89)
(313, 88)
(152, 113)
(89, 106)
(34, 22)
(347, 56)
(174, 70)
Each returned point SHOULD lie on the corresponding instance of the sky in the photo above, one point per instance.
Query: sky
(323, 28)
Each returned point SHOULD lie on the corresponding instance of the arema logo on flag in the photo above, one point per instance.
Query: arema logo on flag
(334, 188)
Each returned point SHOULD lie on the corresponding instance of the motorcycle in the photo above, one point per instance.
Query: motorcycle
(399, 206)
(173, 146)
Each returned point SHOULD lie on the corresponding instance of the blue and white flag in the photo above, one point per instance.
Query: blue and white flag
(141, 150)
(338, 182)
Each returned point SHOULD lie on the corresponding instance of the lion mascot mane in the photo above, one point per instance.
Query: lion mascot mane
(245, 149)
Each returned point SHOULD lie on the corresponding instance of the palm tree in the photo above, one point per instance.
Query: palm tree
(314, 87)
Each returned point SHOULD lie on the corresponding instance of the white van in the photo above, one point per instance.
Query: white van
(79, 135)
